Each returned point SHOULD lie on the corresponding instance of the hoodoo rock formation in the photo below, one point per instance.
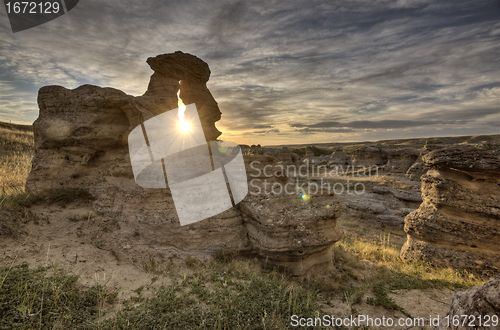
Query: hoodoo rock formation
(282, 227)
(81, 142)
(193, 74)
(458, 222)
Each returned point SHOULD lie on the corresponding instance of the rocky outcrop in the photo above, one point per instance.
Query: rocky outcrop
(309, 155)
(193, 74)
(338, 158)
(401, 194)
(283, 227)
(81, 141)
(255, 150)
(400, 160)
(457, 223)
(434, 144)
(286, 156)
(270, 151)
(479, 304)
(418, 168)
(368, 156)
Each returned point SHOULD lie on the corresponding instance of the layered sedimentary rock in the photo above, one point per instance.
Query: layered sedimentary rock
(283, 227)
(400, 160)
(81, 141)
(457, 223)
(481, 306)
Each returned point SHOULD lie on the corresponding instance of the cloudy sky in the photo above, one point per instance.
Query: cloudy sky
(295, 71)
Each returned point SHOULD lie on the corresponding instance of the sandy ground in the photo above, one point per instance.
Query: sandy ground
(77, 241)
(100, 256)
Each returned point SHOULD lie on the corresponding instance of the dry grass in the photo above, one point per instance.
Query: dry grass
(16, 152)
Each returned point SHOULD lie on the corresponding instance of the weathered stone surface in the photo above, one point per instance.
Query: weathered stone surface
(208, 109)
(193, 74)
(464, 158)
(283, 228)
(338, 158)
(476, 303)
(417, 169)
(270, 151)
(400, 160)
(309, 155)
(255, 150)
(401, 194)
(286, 156)
(368, 205)
(390, 219)
(80, 141)
(180, 66)
(368, 156)
(457, 223)
(434, 144)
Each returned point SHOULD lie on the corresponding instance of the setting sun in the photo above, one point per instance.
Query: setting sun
(184, 125)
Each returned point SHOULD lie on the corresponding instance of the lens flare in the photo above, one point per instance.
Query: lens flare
(183, 124)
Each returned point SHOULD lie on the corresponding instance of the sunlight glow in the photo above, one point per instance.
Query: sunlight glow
(183, 124)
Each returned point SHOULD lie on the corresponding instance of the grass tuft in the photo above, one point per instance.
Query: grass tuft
(29, 299)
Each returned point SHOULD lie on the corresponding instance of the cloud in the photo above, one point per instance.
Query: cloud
(263, 126)
(364, 124)
(324, 69)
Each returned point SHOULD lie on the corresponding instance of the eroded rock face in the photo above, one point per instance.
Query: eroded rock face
(476, 303)
(193, 74)
(368, 156)
(457, 223)
(338, 158)
(418, 168)
(434, 144)
(286, 156)
(282, 227)
(400, 160)
(81, 141)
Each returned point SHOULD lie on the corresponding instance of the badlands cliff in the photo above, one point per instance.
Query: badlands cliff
(458, 222)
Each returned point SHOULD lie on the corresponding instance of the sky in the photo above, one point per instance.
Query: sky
(283, 72)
